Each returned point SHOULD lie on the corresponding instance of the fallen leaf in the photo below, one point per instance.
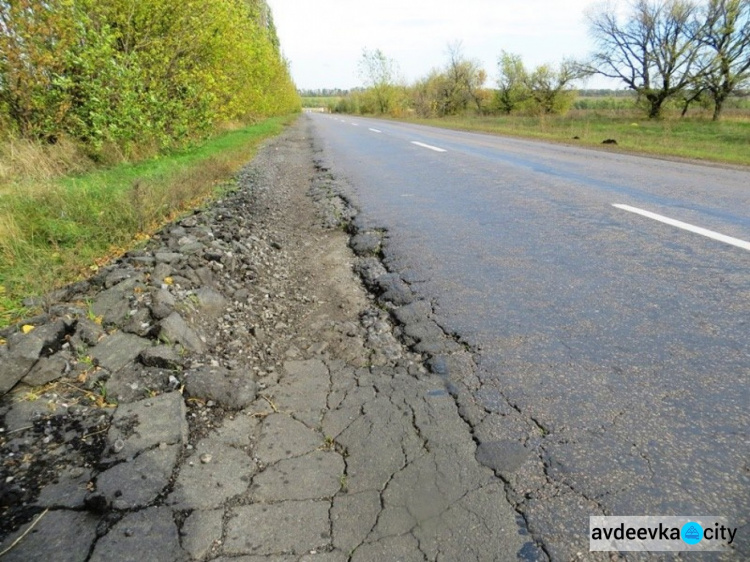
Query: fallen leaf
(26, 328)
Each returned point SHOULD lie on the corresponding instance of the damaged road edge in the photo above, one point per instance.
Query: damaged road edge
(444, 354)
(265, 404)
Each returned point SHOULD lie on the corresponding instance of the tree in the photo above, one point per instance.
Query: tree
(379, 73)
(152, 72)
(34, 39)
(425, 94)
(546, 89)
(452, 89)
(550, 87)
(512, 84)
(655, 51)
(465, 81)
(725, 33)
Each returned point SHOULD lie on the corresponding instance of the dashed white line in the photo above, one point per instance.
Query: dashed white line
(376, 131)
(423, 145)
(355, 124)
(686, 226)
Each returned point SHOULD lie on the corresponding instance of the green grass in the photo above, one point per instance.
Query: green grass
(726, 141)
(56, 231)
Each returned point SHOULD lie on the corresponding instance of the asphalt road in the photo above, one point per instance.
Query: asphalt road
(613, 345)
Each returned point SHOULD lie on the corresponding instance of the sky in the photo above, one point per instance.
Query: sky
(323, 39)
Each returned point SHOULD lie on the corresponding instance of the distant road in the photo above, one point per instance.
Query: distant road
(610, 298)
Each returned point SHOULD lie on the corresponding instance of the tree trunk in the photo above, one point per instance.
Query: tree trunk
(654, 110)
(719, 98)
(654, 106)
(718, 103)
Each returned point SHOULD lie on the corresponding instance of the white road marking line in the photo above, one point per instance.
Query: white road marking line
(355, 124)
(423, 145)
(376, 131)
(685, 226)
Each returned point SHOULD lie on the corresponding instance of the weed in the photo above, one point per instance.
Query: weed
(86, 360)
(91, 315)
(101, 389)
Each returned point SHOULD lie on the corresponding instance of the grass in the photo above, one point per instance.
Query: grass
(697, 137)
(54, 231)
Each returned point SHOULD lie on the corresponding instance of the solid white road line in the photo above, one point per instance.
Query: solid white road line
(376, 131)
(423, 145)
(685, 226)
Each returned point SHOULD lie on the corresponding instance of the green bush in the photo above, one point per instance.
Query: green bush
(155, 72)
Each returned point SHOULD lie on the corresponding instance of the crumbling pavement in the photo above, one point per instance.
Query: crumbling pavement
(268, 407)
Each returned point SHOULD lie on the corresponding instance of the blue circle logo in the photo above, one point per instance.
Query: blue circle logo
(691, 533)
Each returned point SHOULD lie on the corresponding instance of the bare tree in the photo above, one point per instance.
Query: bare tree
(655, 51)
(724, 31)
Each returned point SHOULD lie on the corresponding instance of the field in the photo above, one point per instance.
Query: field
(727, 141)
(59, 229)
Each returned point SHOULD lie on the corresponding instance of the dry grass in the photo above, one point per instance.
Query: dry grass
(25, 160)
(54, 231)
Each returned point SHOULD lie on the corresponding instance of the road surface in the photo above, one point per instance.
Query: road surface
(608, 297)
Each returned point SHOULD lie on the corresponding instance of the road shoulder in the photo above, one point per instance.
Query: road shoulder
(268, 406)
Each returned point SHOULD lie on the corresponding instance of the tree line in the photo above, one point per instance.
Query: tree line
(676, 51)
(136, 73)
(460, 86)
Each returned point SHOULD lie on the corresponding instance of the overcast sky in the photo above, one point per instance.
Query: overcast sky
(324, 39)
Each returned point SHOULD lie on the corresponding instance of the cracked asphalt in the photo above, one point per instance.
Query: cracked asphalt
(611, 357)
(293, 416)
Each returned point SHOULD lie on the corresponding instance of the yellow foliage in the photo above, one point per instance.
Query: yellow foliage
(130, 74)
